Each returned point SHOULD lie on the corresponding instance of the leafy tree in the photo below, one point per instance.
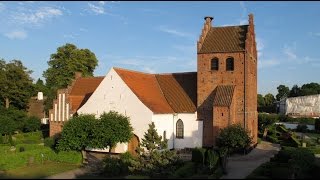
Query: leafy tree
(18, 117)
(310, 89)
(269, 99)
(32, 124)
(62, 67)
(295, 91)
(65, 62)
(283, 91)
(7, 127)
(261, 102)
(39, 86)
(77, 133)
(15, 84)
(234, 137)
(112, 128)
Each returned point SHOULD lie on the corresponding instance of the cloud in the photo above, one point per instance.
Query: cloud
(102, 2)
(174, 32)
(260, 46)
(17, 34)
(38, 16)
(83, 30)
(315, 34)
(2, 7)
(149, 70)
(97, 9)
(267, 63)
(290, 51)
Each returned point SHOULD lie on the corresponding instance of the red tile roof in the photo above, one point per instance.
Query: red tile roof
(180, 90)
(225, 39)
(162, 93)
(82, 89)
(223, 95)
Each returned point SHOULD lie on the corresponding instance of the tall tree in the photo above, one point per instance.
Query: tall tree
(283, 91)
(39, 86)
(261, 102)
(62, 67)
(65, 62)
(15, 84)
(269, 99)
(295, 91)
(310, 89)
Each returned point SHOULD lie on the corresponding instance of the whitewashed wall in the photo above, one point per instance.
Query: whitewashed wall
(192, 129)
(114, 94)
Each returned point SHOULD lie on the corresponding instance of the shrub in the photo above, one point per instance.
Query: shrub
(234, 137)
(302, 128)
(32, 124)
(187, 170)
(211, 159)
(198, 155)
(112, 166)
(317, 124)
(49, 142)
(21, 149)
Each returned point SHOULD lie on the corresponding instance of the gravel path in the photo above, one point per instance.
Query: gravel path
(240, 166)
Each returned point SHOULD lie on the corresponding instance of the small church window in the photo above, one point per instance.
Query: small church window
(230, 64)
(164, 135)
(215, 64)
(179, 129)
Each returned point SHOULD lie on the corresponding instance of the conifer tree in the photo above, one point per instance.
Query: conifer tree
(152, 140)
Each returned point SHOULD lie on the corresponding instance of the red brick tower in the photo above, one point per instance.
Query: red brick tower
(227, 79)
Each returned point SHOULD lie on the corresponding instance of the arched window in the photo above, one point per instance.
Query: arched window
(179, 129)
(215, 64)
(229, 64)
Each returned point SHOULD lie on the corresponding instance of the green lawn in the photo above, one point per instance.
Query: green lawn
(38, 171)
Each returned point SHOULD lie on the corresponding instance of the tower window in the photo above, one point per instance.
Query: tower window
(179, 129)
(230, 64)
(215, 64)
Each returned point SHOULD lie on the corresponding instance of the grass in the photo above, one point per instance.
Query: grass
(38, 170)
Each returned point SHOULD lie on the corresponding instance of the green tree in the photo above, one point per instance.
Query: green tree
(283, 91)
(310, 89)
(261, 102)
(112, 128)
(62, 68)
(152, 140)
(295, 91)
(65, 62)
(32, 124)
(39, 86)
(234, 137)
(15, 84)
(153, 161)
(269, 99)
(77, 133)
(7, 127)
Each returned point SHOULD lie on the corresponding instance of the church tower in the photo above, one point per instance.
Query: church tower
(227, 79)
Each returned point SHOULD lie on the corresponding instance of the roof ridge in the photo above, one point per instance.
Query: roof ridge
(177, 73)
(132, 70)
(230, 26)
(156, 76)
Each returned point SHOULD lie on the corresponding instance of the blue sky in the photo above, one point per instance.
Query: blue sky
(161, 37)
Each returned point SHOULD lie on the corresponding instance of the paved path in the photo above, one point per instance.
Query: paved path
(240, 166)
(94, 164)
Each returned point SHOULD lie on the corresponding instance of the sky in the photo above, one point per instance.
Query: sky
(161, 37)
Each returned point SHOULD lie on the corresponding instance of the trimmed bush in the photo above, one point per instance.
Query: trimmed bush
(211, 159)
(185, 171)
(198, 155)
